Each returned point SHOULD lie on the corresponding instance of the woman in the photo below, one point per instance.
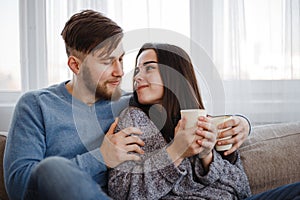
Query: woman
(178, 162)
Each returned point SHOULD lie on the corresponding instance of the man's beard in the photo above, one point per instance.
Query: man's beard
(101, 91)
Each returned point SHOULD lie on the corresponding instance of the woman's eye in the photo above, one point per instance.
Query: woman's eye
(136, 71)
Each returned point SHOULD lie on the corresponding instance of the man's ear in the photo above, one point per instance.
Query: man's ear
(74, 64)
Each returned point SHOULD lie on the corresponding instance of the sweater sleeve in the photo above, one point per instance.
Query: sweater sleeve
(26, 146)
(223, 174)
(92, 162)
(151, 178)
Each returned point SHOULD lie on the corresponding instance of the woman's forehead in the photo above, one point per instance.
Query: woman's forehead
(146, 57)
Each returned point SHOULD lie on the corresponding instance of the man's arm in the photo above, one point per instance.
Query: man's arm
(28, 143)
(25, 146)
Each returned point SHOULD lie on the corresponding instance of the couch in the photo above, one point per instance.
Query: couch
(271, 156)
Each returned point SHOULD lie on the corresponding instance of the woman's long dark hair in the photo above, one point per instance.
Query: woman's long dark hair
(180, 86)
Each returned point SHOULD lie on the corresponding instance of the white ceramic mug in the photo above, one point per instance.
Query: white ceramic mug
(191, 116)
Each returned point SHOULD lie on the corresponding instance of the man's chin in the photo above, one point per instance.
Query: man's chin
(111, 94)
(114, 94)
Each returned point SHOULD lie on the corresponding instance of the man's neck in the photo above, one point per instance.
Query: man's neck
(80, 93)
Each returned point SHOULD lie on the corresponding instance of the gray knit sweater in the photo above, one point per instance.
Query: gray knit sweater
(156, 177)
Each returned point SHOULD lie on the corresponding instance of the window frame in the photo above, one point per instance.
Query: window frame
(33, 52)
(33, 56)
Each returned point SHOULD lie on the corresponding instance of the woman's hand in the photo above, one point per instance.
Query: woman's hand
(184, 144)
(189, 142)
(239, 132)
(209, 136)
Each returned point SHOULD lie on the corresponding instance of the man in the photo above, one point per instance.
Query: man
(61, 138)
(53, 148)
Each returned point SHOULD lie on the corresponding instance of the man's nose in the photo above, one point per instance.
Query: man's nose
(118, 68)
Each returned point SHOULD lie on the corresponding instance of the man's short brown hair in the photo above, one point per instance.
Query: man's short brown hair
(89, 30)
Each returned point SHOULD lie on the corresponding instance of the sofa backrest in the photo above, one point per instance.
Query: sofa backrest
(271, 156)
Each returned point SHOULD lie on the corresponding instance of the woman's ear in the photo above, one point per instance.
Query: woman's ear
(74, 64)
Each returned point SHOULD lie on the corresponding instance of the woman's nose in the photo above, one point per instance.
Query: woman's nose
(138, 77)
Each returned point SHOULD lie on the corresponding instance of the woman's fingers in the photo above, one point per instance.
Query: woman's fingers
(205, 123)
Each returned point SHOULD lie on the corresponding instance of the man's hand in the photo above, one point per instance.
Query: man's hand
(116, 146)
(239, 132)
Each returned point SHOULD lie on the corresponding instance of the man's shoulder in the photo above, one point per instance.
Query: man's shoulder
(33, 95)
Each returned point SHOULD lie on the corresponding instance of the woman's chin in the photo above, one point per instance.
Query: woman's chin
(145, 101)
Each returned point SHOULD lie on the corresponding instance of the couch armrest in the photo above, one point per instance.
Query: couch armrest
(3, 194)
(271, 156)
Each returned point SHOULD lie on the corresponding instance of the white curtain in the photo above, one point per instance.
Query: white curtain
(259, 39)
(254, 45)
(258, 42)
(292, 37)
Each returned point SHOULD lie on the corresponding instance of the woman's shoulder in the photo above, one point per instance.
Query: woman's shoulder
(135, 117)
(132, 112)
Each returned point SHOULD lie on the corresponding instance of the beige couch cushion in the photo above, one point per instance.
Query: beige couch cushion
(3, 195)
(271, 156)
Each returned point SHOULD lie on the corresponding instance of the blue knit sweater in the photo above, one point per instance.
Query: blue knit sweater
(49, 122)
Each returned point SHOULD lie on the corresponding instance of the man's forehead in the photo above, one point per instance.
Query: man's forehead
(117, 52)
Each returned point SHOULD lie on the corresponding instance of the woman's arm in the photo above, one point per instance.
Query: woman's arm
(154, 176)
(226, 175)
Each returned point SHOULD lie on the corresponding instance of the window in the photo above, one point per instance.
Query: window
(259, 39)
(39, 55)
(254, 46)
(10, 79)
(144, 14)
